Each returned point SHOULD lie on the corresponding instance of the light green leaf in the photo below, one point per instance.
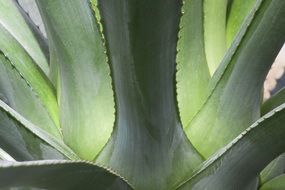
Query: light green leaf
(234, 102)
(58, 174)
(215, 32)
(19, 95)
(148, 145)
(278, 183)
(13, 20)
(84, 83)
(237, 165)
(29, 70)
(192, 70)
(238, 11)
(49, 139)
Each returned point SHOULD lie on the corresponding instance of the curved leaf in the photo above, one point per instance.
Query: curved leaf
(84, 91)
(234, 102)
(239, 10)
(15, 24)
(192, 74)
(239, 163)
(52, 141)
(277, 183)
(215, 32)
(274, 169)
(19, 95)
(148, 145)
(29, 71)
(59, 175)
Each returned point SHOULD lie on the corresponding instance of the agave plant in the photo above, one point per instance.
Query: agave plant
(141, 94)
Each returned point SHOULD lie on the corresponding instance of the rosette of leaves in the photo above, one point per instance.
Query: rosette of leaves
(132, 94)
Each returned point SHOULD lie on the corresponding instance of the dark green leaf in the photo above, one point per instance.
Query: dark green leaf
(41, 134)
(63, 175)
(237, 165)
(148, 146)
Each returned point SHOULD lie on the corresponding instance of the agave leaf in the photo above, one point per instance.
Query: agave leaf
(278, 183)
(239, 163)
(148, 145)
(17, 93)
(274, 169)
(21, 144)
(215, 32)
(58, 174)
(29, 71)
(192, 70)
(238, 11)
(5, 156)
(18, 26)
(85, 91)
(234, 102)
(49, 139)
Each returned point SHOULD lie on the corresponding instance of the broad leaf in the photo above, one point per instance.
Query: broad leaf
(238, 164)
(277, 183)
(214, 32)
(41, 134)
(234, 102)
(148, 145)
(59, 175)
(238, 11)
(192, 70)
(84, 83)
(15, 22)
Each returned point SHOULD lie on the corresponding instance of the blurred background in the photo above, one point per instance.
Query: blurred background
(275, 79)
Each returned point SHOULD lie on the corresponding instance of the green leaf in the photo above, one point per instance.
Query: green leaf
(237, 165)
(13, 20)
(273, 102)
(22, 144)
(50, 140)
(215, 32)
(192, 70)
(274, 169)
(278, 183)
(238, 11)
(19, 95)
(148, 145)
(13, 50)
(59, 175)
(234, 102)
(84, 91)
